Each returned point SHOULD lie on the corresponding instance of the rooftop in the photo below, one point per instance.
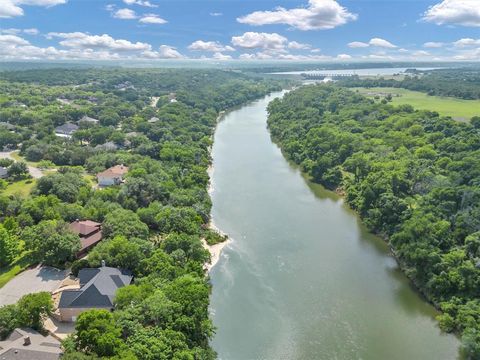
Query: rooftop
(27, 344)
(97, 288)
(115, 171)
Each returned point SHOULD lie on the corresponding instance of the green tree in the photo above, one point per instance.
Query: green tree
(8, 247)
(34, 308)
(97, 333)
(124, 223)
(51, 242)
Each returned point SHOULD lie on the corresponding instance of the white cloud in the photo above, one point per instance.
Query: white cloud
(152, 19)
(211, 46)
(344, 56)
(31, 31)
(220, 56)
(85, 41)
(216, 14)
(421, 53)
(12, 8)
(454, 12)
(433, 45)
(318, 15)
(358, 44)
(298, 46)
(140, 3)
(169, 52)
(381, 43)
(12, 40)
(315, 51)
(266, 41)
(13, 31)
(125, 14)
(467, 42)
(375, 42)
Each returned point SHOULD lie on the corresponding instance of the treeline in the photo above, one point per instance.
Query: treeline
(413, 177)
(152, 224)
(459, 83)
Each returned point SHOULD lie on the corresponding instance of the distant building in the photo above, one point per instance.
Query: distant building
(66, 130)
(27, 344)
(97, 290)
(112, 176)
(3, 172)
(90, 120)
(7, 125)
(90, 233)
(108, 146)
(153, 119)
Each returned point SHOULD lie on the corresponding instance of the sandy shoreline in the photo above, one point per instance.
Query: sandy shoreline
(215, 250)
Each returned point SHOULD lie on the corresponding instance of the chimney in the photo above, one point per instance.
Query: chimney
(26, 341)
(103, 263)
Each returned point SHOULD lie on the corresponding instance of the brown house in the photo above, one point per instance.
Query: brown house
(90, 233)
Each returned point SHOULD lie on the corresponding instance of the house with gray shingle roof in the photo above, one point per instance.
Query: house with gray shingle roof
(66, 130)
(27, 344)
(97, 290)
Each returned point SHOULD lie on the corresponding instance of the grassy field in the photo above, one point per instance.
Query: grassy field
(22, 188)
(458, 109)
(21, 263)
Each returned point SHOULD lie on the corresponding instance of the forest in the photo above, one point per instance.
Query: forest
(413, 177)
(463, 83)
(160, 124)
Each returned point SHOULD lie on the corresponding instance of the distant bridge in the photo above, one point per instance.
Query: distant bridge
(322, 76)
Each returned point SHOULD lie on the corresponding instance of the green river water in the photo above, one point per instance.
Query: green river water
(302, 278)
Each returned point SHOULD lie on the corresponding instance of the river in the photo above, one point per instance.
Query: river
(302, 278)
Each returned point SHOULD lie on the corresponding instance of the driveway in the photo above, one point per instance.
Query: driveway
(36, 173)
(42, 278)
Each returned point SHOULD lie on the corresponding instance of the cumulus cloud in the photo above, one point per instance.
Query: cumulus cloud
(381, 43)
(220, 56)
(318, 15)
(358, 44)
(344, 56)
(152, 19)
(216, 14)
(375, 42)
(466, 42)
(454, 12)
(433, 45)
(12, 40)
(85, 41)
(255, 40)
(298, 46)
(124, 14)
(211, 46)
(13, 8)
(81, 46)
(140, 3)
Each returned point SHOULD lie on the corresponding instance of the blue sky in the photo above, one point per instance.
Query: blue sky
(229, 29)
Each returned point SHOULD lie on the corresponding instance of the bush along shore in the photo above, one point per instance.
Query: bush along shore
(413, 177)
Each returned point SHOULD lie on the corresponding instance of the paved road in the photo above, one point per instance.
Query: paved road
(36, 173)
(42, 278)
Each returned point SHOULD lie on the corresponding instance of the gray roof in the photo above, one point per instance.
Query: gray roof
(66, 129)
(89, 119)
(3, 171)
(97, 288)
(40, 348)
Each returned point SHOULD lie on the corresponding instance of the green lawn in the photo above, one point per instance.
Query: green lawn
(23, 188)
(22, 262)
(447, 106)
